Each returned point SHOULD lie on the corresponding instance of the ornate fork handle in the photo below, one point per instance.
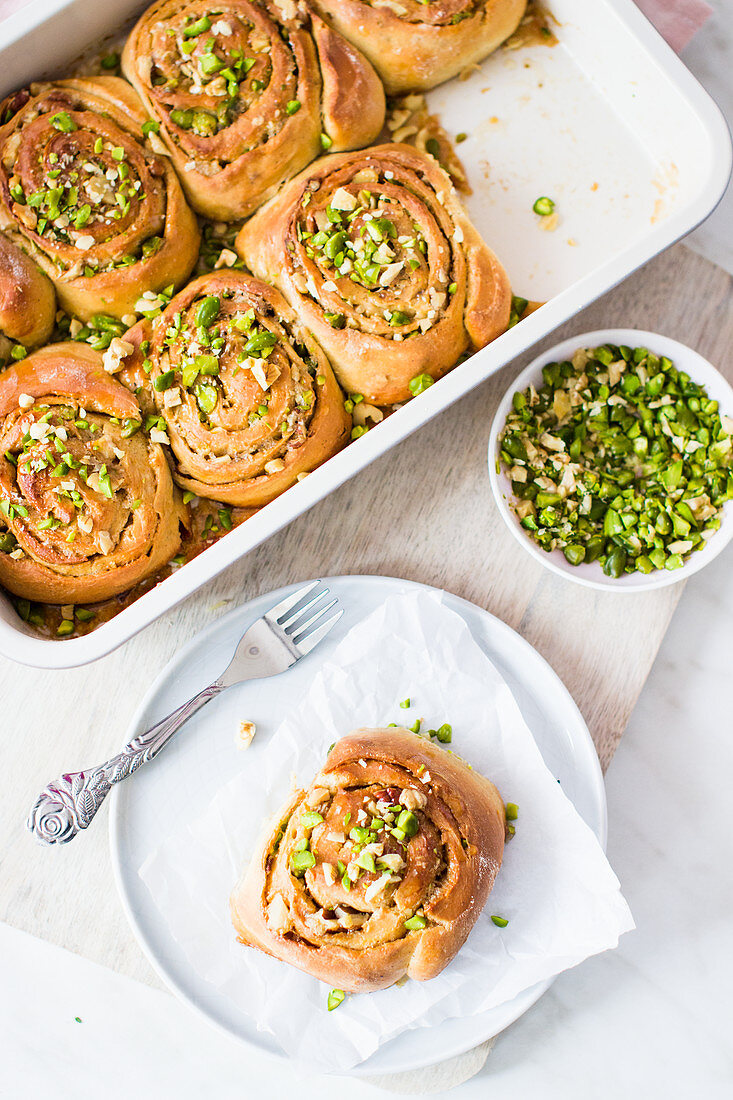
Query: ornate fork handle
(69, 803)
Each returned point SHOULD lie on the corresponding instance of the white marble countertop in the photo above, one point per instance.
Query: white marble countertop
(650, 1019)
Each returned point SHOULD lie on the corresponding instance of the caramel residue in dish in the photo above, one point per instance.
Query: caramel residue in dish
(549, 224)
(535, 29)
(666, 183)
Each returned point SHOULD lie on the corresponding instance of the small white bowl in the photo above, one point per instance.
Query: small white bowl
(591, 574)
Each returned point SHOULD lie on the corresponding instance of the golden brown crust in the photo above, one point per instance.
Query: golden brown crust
(122, 226)
(263, 410)
(415, 45)
(27, 299)
(412, 296)
(87, 505)
(236, 139)
(353, 102)
(438, 876)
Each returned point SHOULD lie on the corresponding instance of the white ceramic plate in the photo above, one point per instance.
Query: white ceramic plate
(590, 574)
(192, 769)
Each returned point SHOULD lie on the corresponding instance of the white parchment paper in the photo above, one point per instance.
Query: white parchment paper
(556, 888)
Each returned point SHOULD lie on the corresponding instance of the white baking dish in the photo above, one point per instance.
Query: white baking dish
(609, 123)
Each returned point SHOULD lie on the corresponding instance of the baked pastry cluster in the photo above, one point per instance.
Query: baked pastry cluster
(380, 869)
(155, 392)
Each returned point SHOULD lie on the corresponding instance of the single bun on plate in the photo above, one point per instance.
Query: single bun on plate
(376, 255)
(416, 44)
(380, 869)
(247, 397)
(247, 93)
(87, 505)
(27, 299)
(85, 195)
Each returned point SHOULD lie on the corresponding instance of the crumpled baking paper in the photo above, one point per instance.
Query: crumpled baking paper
(555, 888)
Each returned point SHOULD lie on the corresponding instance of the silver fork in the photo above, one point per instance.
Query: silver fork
(270, 645)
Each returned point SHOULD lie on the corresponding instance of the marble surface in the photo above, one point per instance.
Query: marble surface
(651, 1018)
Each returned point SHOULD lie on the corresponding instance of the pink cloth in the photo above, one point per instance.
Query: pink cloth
(676, 20)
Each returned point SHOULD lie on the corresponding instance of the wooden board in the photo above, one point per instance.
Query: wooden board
(424, 512)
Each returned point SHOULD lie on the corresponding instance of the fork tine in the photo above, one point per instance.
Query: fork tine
(290, 602)
(305, 645)
(310, 618)
(291, 623)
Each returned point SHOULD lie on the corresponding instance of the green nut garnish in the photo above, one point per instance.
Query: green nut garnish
(206, 397)
(408, 823)
(208, 311)
(420, 383)
(164, 381)
(182, 117)
(129, 427)
(365, 860)
(302, 861)
(193, 30)
(310, 819)
(618, 458)
(64, 122)
(544, 206)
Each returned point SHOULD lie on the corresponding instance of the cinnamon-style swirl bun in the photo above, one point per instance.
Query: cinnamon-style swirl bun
(380, 869)
(246, 93)
(84, 194)
(87, 505)
(376, 255)
(27, 299)
(416, 44)
(247, 397)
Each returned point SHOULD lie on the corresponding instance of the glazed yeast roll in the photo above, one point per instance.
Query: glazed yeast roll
(376, 255)
(416, 44)
(245, 394)
(83, 193)
(380, 869)
(87, 504)
(246, 93)
(27, 299)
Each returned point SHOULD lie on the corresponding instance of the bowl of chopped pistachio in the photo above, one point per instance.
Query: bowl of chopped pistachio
(611, 460)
